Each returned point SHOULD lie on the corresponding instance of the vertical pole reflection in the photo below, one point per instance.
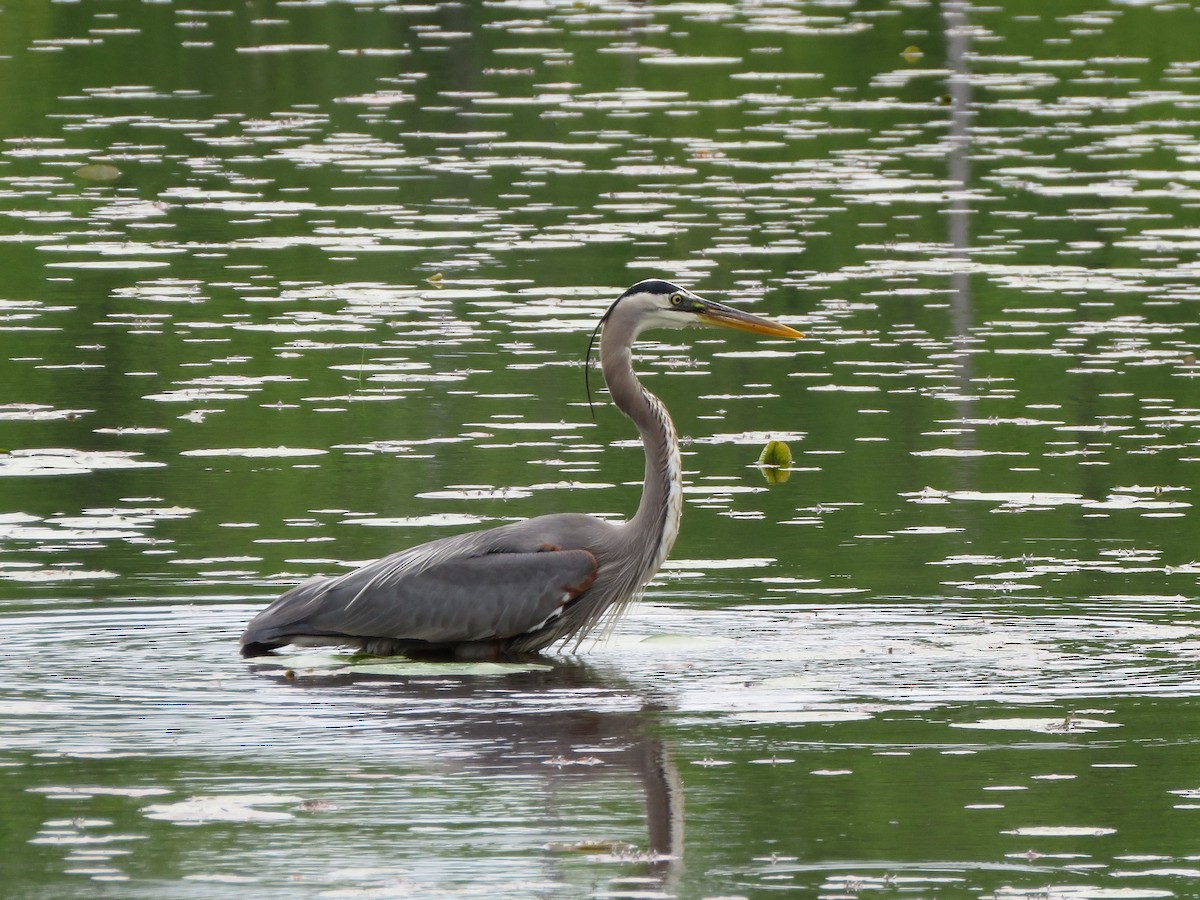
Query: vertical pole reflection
(664, 801)
(958, 212)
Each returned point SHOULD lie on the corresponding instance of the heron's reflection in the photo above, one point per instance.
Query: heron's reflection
(561, 721)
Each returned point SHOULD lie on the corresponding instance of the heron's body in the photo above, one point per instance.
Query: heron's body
(519, 587)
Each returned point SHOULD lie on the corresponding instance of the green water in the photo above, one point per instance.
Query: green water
(290, 286)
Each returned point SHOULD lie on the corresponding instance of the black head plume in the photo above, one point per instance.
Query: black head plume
(587, 359)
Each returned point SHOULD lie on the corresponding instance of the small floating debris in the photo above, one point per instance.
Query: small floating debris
(563, 761)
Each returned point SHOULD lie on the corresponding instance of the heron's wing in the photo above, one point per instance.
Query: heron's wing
(473, 598)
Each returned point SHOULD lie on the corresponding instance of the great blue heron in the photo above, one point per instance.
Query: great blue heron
(523, 586)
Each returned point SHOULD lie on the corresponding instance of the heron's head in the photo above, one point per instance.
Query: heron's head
(660, 304)
(655, 303)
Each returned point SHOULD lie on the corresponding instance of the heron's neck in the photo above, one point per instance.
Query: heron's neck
(656, 522)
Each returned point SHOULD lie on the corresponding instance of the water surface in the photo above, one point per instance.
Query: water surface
(290, 286)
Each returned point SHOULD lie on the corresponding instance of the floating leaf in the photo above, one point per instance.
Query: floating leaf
(776, 453)
(775, 462)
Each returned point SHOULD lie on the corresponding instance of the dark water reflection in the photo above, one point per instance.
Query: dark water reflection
(533, 725)
(288, 286)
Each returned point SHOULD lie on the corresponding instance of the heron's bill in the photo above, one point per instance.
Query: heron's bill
(728, 317)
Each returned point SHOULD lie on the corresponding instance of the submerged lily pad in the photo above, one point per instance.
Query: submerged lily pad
(324, 661)
(398, 666)
(422, 668)
(98, 172)
(683, 641)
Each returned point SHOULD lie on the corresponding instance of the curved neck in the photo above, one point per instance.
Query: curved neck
(656, 522)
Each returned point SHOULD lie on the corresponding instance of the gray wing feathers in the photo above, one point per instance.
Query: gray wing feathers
(464, 598)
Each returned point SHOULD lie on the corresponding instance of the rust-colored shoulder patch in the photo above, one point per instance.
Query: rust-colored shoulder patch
(577, 589)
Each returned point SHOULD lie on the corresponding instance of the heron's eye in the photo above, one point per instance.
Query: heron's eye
(676, 299)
